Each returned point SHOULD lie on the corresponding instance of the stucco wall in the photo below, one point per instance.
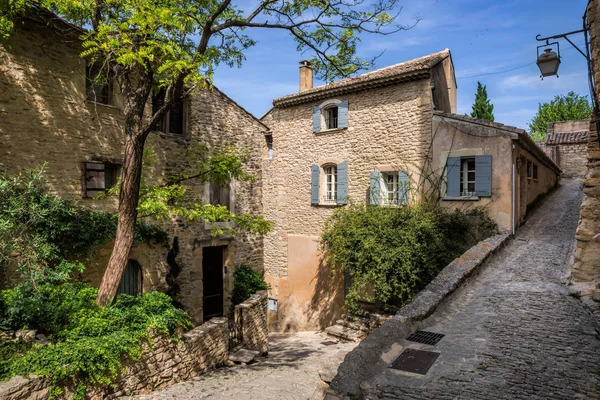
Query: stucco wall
(47, 119)
(388, 127)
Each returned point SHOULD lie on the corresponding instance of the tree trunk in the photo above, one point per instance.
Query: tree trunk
(128, 201)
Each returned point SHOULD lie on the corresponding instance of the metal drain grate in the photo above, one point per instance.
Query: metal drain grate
(425, 337)
(415, 361)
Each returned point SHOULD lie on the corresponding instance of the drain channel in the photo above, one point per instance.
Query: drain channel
(415, 361)
(425, 337)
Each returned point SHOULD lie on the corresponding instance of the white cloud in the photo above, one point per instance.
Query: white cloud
(562, 83)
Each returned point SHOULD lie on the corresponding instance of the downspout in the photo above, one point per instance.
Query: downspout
(513, 201)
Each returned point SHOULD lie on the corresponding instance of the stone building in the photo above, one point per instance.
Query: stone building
(51, 112)
(566, 145)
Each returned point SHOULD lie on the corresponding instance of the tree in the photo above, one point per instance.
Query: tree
(561, 108)
(482, 108)
(174, 46)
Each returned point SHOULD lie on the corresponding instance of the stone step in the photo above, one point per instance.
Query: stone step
(345, 333)
(243, 356)
(357, 326)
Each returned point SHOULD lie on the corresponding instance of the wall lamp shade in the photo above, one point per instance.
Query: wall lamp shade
(548, 63)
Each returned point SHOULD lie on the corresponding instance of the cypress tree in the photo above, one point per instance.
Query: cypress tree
(482, 108)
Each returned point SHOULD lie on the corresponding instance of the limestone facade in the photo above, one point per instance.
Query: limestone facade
(45, 117)
(566, 145)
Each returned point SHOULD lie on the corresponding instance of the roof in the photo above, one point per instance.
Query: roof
(417, 68)
(567, 137)
(515, 133)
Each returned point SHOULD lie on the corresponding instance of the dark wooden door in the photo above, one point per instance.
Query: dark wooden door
(212, 282)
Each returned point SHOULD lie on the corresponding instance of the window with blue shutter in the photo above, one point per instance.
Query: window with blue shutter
(483, 175)
(453, 177)
(343, 114)
(342, 183)
(403, 188)
(375, 187)
(315, 172)
(316, 119)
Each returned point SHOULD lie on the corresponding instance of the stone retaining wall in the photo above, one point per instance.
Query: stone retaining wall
(166, 361)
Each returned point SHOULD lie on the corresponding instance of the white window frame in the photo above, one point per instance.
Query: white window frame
(329, 192)
(329, 118)
(388, 197)
(325, 107)
(464, 177)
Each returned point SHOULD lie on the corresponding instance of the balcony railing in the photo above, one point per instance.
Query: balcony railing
(332, 122)
(330, 198)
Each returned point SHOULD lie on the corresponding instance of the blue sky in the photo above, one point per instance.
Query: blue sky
(484, 36)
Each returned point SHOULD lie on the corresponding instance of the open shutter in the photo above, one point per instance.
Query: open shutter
(375, 188)
(483, 175)
(316, 119)
(95, 182)
(342, 183)
(403, 188)
(453, 175)
(343, 114)
(314, 197)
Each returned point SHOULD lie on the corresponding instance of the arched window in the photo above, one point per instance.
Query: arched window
(131, 281)
(330, 184)
(331, 117)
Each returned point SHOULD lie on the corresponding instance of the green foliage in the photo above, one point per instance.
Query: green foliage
(561, 108)
(391, 253)
(44, 236)
(88, 342)
(482, 108)
(246, 282)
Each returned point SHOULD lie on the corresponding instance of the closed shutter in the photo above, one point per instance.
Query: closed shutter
(375, 188)
(95, 182)
(343, 114)
(316, 119)
(314, 196)
(453, 176)
(483, 175)
(403, 188)
(342, 183)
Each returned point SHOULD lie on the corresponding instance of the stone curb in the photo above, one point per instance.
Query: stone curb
(372, 350)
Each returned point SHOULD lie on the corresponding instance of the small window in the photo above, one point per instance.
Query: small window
(173, 122)
(467, 176)
(220, 195)
(331, 117)
(99, 177)
(390, 188)
(97, 84)
(535, 172)
(529, 169)
(131, 281)
(269, 139)
(330, 192)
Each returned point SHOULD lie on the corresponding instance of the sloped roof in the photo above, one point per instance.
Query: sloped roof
(408, 70)
(567, 137)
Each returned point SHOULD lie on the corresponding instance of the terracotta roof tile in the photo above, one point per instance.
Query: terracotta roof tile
(567, 137)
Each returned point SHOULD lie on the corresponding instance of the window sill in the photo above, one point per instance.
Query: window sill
(334, 130)
(95, 104)
(461, 198)
(329, 205)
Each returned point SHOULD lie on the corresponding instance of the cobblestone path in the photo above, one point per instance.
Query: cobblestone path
(291, 372)
(513, 332)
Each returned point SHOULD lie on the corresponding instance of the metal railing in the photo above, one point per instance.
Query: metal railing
(329, 199)
(332, 122)
(235, 324)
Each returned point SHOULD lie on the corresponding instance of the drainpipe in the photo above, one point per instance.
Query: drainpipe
(513, 190)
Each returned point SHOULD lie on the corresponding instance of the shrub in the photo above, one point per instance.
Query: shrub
(246, 282)
(88, 342)
(391, 253)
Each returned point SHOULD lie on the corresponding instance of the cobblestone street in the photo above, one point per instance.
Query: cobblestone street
(291, 371)
(514, 331)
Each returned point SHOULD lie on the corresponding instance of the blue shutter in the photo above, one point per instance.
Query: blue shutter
(343, 114)
(483, 175)
(314, 198)
(453, 175)
(342, 183)
(375, 188)
(316, 119)
(403, 188)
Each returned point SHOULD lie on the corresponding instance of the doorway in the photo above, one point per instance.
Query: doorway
(212, 282)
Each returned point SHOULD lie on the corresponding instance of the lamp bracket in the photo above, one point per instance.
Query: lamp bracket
(563, 36)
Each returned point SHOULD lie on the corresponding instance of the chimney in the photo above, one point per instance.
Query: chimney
(306, 76)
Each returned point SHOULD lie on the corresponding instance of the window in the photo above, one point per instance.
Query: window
(389, 188)
(220, 195)
(529, 169)
(269, 139)
(467, 177)
(99, 177)
(173, 122)
(131, 281)
(331, 117)
(97, 84)
(330, 195)
(535, 172)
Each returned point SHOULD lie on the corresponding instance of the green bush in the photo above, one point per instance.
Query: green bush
(88, 342)
(391, 253)
(246, 282)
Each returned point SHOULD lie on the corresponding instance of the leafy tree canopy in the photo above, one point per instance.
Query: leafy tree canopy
(562, 108)
(482, 108)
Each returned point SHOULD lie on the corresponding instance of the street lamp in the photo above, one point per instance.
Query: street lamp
(549, 61)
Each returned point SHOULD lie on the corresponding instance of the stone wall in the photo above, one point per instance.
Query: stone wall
(45, 118)
(573, 160)
(165, 361)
